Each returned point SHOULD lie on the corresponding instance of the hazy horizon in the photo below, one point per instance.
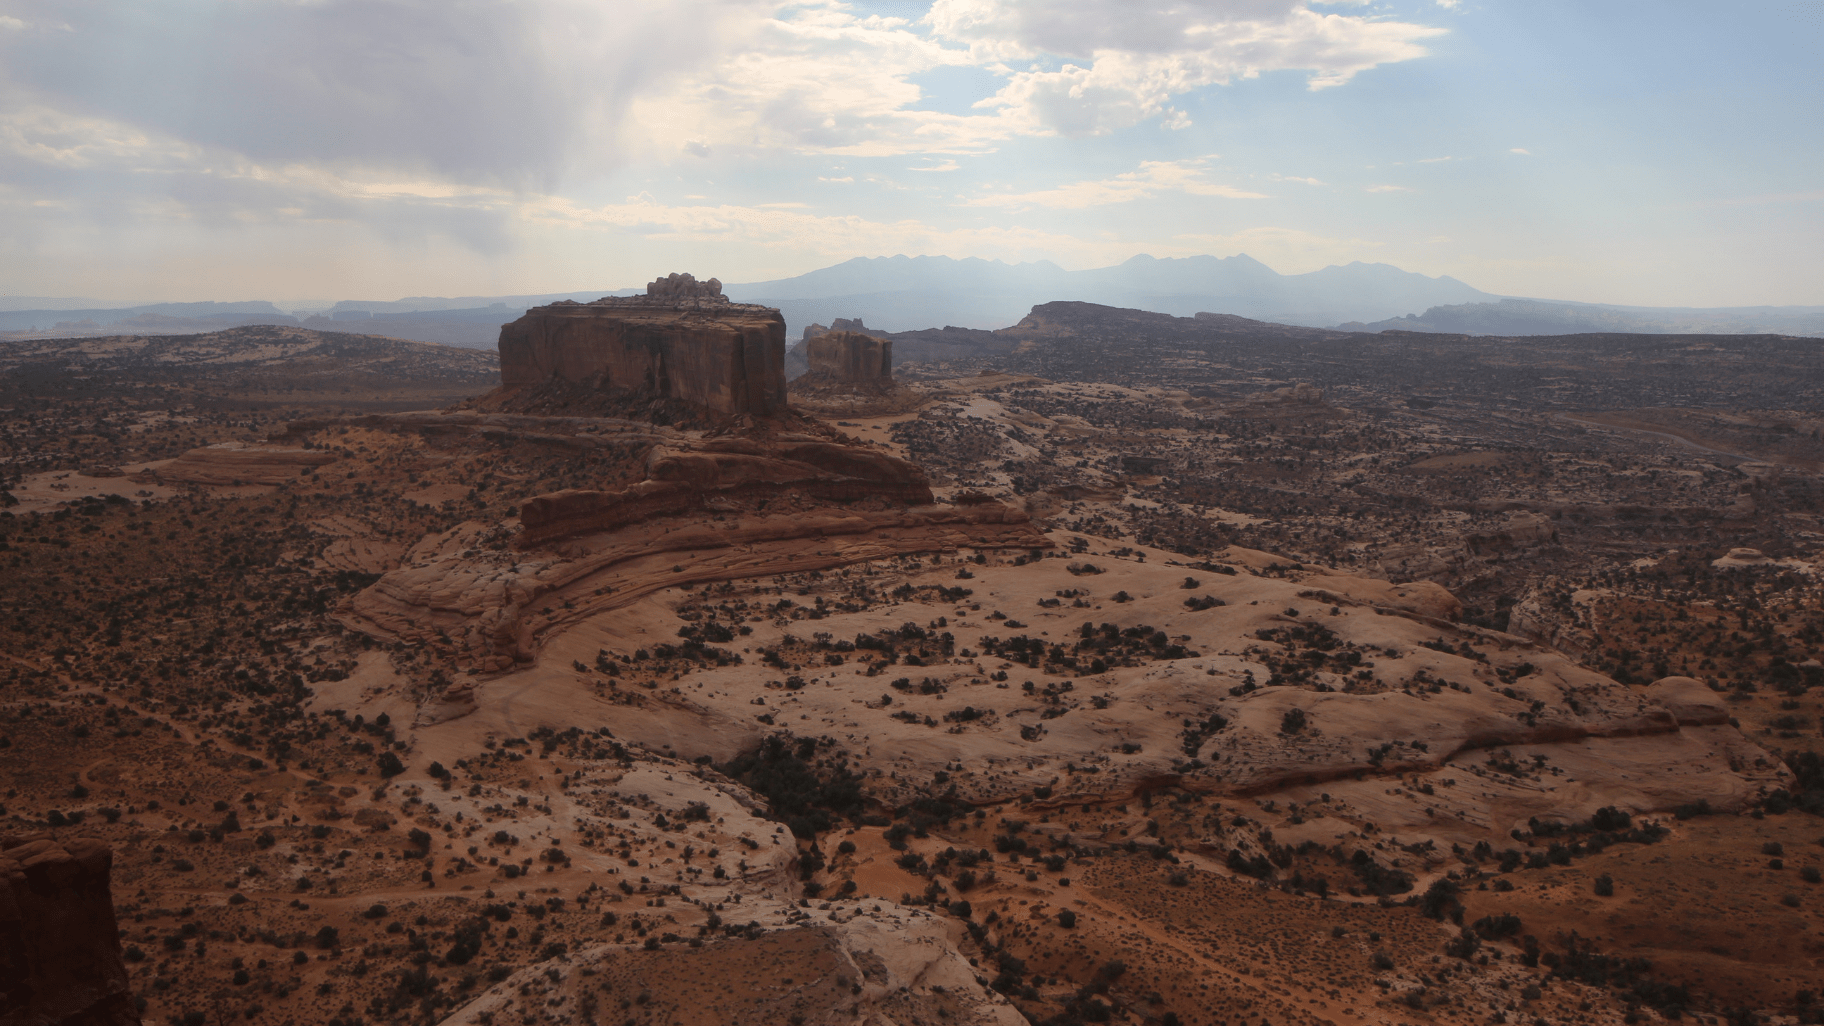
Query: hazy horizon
(385, 150)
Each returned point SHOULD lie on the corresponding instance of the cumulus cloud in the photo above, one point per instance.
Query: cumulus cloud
(1126, 61)
(423, 119)
(1149, 179)
(820, 78)
(529, 96)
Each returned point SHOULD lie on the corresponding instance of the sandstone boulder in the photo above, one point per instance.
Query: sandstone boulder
(60, 959)
(1424, 598)
(1689, 701)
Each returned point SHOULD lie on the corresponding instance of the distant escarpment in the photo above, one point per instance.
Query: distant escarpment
(60, 961)
(683, 341)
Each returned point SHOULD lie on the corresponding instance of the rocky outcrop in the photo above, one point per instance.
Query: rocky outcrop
(1690, 701)
(59, 946)
(237, 463)
(1519, 531)
(681, 341)
(496, 606)
(683, 286)
(872, 965)
(680, 479)
(1423, 598)
(851, 357)
(811, 331)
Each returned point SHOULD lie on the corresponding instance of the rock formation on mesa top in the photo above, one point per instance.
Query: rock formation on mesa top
(59, 943)
(851, 357)
(811, 331)
(755, 494)
(683, 340)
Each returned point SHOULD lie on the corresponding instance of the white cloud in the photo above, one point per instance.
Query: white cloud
(819, 78)
(570, 88)
(1142, 54)
(1522, 152)
(1436, 160)
(812, 78)
(45, 135)
(1295, 178)
(1450, 5)
(1388, 188)
(1150, 179)
(9, 23)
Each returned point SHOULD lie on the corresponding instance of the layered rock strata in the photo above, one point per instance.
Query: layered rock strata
(680, 479)
(851, 357)
(59, 943)
(496, 607)
(683, 340)
(236, 463)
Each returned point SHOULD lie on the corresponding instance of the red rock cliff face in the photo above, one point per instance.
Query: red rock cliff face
(683, 480)
(59, 944)
(851, 356)
(728, 358)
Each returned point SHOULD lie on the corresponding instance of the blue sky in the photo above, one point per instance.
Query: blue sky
(1662, 154)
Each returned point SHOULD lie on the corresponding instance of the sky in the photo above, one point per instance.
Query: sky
(1661, 153)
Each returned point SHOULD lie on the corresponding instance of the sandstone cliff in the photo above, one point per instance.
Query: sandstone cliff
(682, 340)
(681, 479)
(59, 950)
(851, 357)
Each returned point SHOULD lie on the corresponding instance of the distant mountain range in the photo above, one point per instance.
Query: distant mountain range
(146, 319)
(1543, 317)
(907, 293)
(903, 293)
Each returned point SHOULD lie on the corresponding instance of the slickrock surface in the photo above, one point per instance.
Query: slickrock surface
(59, 953)
(875, 964)
(233, 463)
(483, 599)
